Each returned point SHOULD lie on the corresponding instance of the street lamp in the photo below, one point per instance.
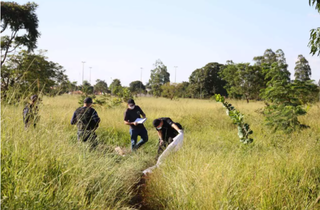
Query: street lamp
(90, 75)
(140, 79)
(83, 62)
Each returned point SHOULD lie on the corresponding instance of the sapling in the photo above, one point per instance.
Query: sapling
(237, 118)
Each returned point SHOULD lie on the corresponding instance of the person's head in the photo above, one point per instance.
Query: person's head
(34, 98)
(157, 123)
(131, 104)
(87, 101)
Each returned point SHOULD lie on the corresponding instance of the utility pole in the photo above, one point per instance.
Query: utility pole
(141, 79)
(175, 74)
(83, 62)
(90, 75)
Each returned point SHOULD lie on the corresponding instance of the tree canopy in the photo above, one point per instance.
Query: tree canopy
(206, 81)
(159, 76)
(115, 87)
(302, 69)
(14, 18)
(314, 40)
(101, 86)
(137, 87)
(31, 72)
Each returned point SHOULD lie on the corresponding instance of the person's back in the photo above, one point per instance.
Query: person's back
(30, 112)
(167, 129)
(87, 121)
(85, 118)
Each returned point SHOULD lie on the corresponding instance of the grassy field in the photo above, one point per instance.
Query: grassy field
(45, 168)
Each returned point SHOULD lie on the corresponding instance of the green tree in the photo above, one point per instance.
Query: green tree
(86, 87)
(314, 42)
(243, 80)
(101, 86)
(137, 87)
(266, 61)
(287, 99)
(124, 93)
(169, 90)
(159, 76)
(115, 87)
(73, 86)
(207, 81)
(17, 18)
(302, 69)
(183, 90)
(28, 72)
(268, 57)
(196, 83)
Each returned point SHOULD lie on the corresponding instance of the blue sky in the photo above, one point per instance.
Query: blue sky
(118, 38)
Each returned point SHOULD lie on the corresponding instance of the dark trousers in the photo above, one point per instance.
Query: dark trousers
(89, 136)
(31, 120)
(134, 133)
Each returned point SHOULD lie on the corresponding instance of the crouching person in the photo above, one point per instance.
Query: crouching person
(87, 121)
(167, 130)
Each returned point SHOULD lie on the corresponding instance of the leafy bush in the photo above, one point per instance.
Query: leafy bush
(287, 100)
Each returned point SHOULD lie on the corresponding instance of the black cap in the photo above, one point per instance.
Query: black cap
(156, 122)
(88, 100)
(34, 97)
(131, 101)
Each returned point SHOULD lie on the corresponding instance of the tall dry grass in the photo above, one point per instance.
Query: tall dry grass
(45, 168)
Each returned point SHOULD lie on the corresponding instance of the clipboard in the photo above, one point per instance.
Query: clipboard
(140, 120)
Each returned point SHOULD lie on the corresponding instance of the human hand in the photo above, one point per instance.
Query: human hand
(161, 142)
(180, 131)
(135, 123)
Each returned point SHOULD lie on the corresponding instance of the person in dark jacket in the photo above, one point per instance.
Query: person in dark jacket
(167, 130)
(30, 112)
(136, 129)
(87, 121)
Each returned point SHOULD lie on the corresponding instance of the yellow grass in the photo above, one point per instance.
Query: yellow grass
(45, 168)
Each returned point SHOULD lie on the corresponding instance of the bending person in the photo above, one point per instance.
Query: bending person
(167, 130)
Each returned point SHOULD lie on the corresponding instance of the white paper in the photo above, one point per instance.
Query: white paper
(175, 145)
(140, 120)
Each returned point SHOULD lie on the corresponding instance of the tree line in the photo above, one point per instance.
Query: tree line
(24, 71)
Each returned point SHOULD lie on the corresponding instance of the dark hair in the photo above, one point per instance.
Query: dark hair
(34, 97)
(88, 100)
(131, 101)
(156, 122)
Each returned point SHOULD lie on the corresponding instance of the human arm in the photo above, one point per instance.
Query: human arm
(176, 127)
(74, 119)
(130, 123)
(142, 113)
(160, 138)
(95, 118)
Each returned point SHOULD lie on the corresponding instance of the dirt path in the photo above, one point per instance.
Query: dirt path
(138, 200)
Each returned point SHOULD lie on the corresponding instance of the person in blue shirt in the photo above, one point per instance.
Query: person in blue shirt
(131, 114)
(87, 121)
